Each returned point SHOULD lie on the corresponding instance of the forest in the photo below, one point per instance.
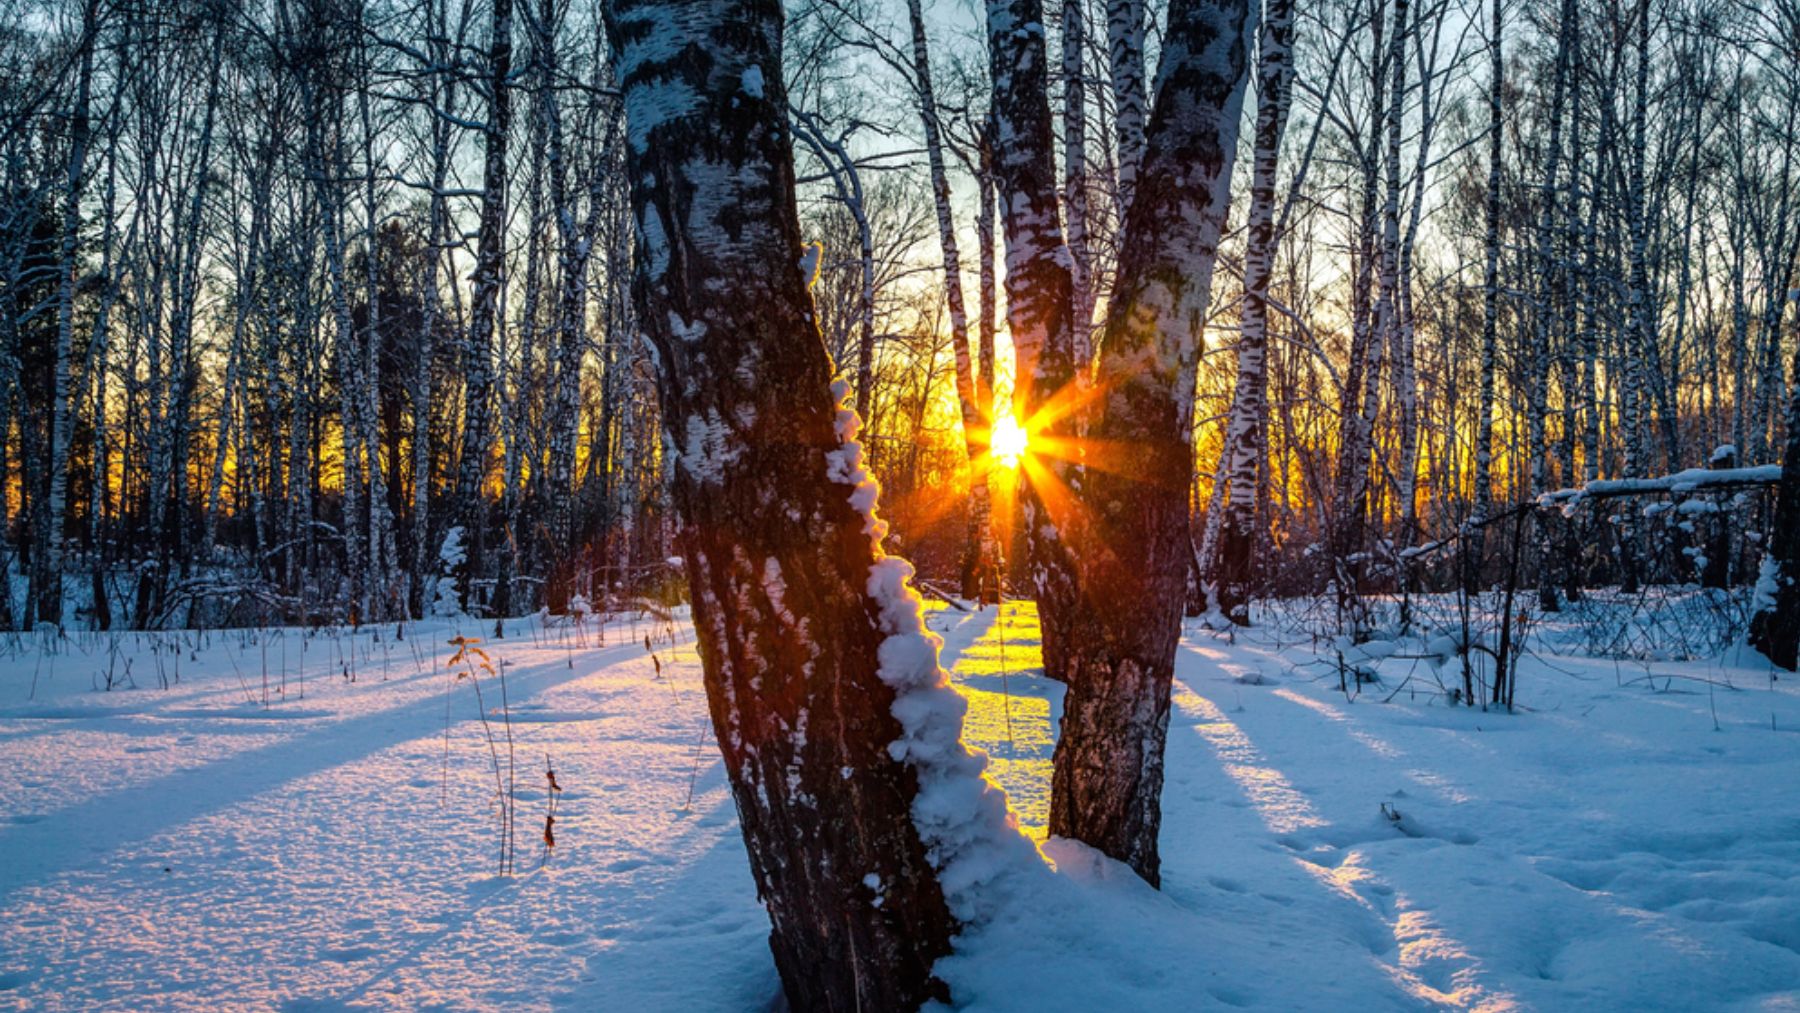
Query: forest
(1382, 346)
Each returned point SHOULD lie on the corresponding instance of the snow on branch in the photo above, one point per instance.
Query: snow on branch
(1688, 481)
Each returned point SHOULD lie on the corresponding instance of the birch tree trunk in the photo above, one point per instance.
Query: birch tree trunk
(1131, 531)
(438, 91)
(979, 567)
(1039, 302)
(50, 555)
(1125, 52)
(1358, 393)
(1245, 438)
(830, 710)
(1475, 535)
(1075, 197)
(1638, 328)
(1553, 289)
(478, 351)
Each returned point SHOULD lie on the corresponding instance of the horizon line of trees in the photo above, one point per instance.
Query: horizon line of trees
(294, 290)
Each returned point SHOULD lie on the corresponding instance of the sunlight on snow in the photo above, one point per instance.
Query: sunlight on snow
(1428, 954)
(1432, 966)
(1010, 709)
(1281, 807)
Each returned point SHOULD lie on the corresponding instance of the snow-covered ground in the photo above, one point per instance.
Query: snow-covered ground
(1629, 840)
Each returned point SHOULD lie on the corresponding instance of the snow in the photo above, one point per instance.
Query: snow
(1768, 585)
(711, 448)
(1689, 480)
(445, 601)
(962, 818)
(1607, 847)
(752, 81)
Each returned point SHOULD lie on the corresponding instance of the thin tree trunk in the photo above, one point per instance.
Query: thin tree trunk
(1475, 536)
(1246, 439)
(478, 351)
(979, 565)
(50, 556)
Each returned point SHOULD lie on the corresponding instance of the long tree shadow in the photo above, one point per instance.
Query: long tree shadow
(1424, 961)
(84, 833)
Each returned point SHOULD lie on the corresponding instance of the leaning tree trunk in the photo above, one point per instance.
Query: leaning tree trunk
(979, 568)
(1132, 528)
(834, 719)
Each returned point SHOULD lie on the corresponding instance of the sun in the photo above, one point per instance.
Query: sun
(1008, 441)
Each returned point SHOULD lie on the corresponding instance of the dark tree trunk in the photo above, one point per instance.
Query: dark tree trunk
(1132, 529)
(1775, 628)
(807, 632)
(484, 303)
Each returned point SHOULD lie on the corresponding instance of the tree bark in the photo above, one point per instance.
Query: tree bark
(1039, 304)
(825, 695)
(478, 351)
(1131, 531)
(1245, 439)
(979, 568)
(1475, 534)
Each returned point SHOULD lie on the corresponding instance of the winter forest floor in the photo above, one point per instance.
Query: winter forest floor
(1630, 839)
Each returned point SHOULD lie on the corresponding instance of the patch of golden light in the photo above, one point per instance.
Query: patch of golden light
(1008, 441)
(1009, 716)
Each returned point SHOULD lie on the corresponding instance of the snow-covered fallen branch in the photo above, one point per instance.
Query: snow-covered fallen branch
(1689, 481)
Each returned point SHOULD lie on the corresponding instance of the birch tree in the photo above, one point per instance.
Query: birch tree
(1245, 440)
(833, 717)
(484, 300)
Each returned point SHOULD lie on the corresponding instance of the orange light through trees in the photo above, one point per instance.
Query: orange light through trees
(1008, 441)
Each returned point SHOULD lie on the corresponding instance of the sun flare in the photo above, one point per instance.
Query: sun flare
(1008, 441)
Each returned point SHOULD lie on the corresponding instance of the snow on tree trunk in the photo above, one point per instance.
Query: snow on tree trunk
(1131, 531)
(870, 830)
(1775, 624)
